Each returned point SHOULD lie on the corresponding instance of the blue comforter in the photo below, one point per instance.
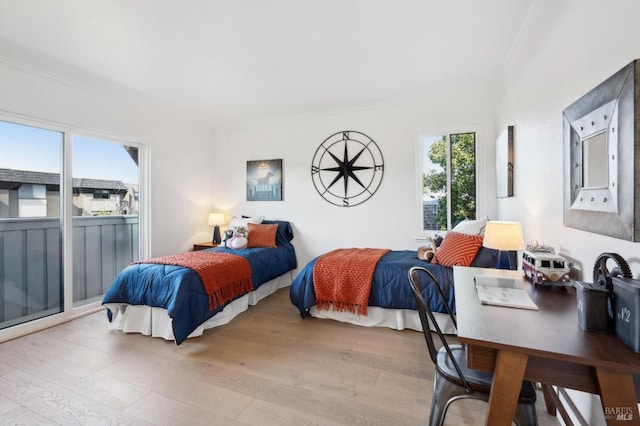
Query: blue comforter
(180, 290)
(390, 287)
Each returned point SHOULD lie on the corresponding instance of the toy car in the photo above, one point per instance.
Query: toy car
(543, 266)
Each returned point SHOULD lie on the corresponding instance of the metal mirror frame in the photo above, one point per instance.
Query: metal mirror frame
(611, 109)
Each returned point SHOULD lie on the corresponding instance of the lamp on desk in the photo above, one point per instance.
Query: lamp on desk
(503, 236)
(216, 219)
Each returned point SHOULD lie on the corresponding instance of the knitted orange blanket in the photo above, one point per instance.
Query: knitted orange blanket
(224, 275)
(342, 278)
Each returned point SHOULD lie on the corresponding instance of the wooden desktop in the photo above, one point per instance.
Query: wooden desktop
(547, 346)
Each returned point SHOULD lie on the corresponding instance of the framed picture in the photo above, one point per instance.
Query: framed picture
(504, 164)
(264, 180)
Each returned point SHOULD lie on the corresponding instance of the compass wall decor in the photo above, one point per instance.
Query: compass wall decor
(347, 168)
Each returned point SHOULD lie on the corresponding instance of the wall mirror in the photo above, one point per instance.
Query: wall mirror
(504, 164)
(600, 159)
(595, 168)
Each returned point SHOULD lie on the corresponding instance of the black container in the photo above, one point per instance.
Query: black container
(592, 306)
(626, 309)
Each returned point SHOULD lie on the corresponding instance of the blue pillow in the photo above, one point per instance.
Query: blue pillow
(285, 230)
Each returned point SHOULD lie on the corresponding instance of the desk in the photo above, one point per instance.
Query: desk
(546, 346)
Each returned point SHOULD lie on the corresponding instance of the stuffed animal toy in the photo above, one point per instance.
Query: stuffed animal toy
(238, 240)
(427, 252)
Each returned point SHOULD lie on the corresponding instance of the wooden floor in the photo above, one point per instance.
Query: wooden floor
(267, 367)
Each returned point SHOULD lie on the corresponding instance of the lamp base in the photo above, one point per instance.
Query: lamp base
(216, 235)
(503, 260)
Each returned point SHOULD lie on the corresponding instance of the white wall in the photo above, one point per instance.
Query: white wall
(195, 170)
(568, 48)
(389, 218)
(180, 148)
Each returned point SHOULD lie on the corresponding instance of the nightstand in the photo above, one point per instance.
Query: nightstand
(204, 245)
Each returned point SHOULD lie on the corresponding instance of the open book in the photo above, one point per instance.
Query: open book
(503, 291)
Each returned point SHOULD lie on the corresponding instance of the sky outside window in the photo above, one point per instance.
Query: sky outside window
(102, 160)
(35, 149)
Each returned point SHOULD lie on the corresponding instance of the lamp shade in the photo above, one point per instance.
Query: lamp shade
(505, 236)
(216, 218)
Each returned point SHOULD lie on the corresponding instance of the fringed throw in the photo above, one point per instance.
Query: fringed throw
(342, 279)
(224, 275)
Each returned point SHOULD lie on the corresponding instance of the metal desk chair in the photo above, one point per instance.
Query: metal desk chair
(453, 379)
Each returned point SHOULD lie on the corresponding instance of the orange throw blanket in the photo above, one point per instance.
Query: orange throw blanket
(223, 275)
(342, 278)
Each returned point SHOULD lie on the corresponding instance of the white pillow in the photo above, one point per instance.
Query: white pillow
(471, 227)
(243, 221)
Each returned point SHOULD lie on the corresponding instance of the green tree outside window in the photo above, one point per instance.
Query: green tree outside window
(462, 177)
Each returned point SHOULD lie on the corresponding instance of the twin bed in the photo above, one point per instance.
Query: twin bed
(170, 301)
(391, 303)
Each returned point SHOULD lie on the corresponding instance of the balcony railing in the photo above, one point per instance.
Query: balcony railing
(31, 262)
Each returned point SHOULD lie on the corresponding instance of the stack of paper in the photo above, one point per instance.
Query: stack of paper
(503, 291)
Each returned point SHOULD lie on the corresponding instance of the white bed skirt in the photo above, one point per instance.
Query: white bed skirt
(398, 319)
(156, 322)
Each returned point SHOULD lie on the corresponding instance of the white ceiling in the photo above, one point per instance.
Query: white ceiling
(231, 60)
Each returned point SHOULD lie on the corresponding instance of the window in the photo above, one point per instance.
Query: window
(68, 221)
(32, 200)
(448, 180)
(101, 194)
(33, 191)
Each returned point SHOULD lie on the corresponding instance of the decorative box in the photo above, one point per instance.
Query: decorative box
(626, 310)
(592, 306)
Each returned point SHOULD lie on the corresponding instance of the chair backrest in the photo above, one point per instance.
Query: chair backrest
(426, 315)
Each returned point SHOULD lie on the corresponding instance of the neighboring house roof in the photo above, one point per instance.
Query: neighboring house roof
(26, 176)
(99, 184)
(12, 179)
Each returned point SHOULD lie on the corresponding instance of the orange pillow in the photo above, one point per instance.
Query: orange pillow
(262, 235)
(457, 249)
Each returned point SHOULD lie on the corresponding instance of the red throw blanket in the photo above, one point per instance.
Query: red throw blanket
(342, 278)
(223, 275)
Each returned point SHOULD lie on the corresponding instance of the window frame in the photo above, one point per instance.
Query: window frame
(480, 174)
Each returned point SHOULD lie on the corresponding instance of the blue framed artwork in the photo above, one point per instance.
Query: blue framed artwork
(264, 180)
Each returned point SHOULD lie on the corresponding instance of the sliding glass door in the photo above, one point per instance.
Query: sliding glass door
(30, 223)
(69, 220)
(105, 215)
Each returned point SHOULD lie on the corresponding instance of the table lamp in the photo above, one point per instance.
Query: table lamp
(503, 236)
(216, 219)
